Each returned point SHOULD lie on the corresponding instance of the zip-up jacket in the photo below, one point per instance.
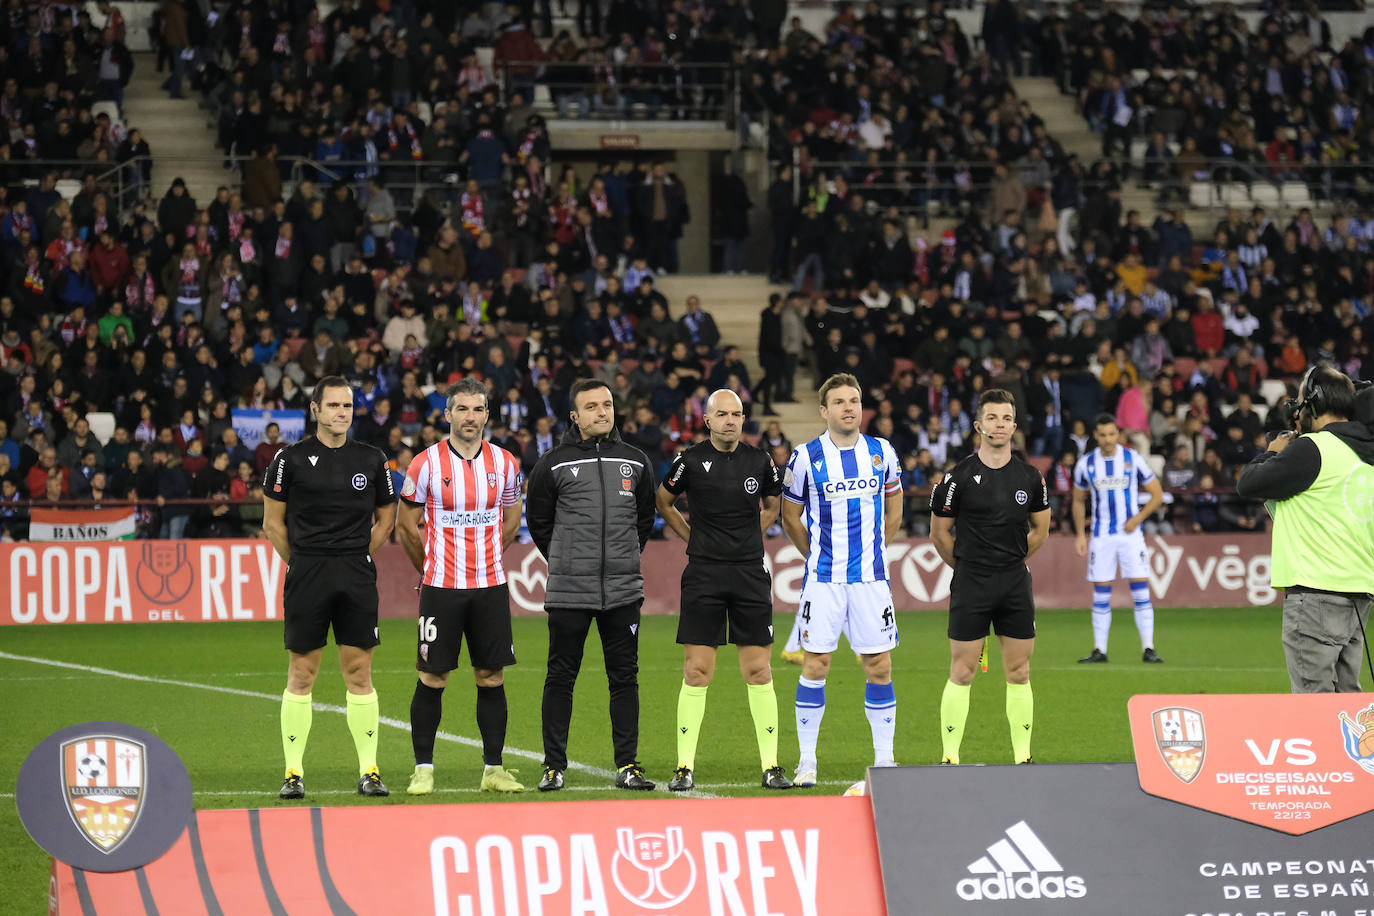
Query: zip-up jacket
(590, 509)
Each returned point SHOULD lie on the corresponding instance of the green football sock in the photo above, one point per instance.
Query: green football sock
(953, 714)
(362, 722)
(295, 729)
(691, 707)
(1020, 718)
(763, 706)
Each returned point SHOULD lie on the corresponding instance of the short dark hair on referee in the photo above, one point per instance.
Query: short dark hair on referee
(329, 381)
(467, 385)
(584, 384)
(996, 396)
(1103, 419)
(838, 380)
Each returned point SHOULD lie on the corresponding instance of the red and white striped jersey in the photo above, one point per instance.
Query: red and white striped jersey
(463, 501)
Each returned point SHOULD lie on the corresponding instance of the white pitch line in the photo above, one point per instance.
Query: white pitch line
(276, 698)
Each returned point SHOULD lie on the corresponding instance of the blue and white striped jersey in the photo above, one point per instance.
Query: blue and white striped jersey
(843, 491)
(1115, 484)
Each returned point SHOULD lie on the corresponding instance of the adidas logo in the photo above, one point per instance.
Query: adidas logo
(1019, 867)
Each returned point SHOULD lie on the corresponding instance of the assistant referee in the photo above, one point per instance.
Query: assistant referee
(330, 504)
(1003, 512)
(727, 594)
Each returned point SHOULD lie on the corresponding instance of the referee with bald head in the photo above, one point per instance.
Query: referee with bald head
(732, 490)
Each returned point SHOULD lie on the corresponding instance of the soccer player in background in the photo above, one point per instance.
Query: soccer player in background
(842, 502)
(468, 492)
(1113, 474)
(1002, 508)
(329, 506)
(727, 594)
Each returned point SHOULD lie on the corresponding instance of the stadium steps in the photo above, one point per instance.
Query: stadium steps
(178, 132)
(736, 303)
(1065, 124)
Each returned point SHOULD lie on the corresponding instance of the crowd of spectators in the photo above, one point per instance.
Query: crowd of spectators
(1047, 285)
(176, 312)
(1214, 101)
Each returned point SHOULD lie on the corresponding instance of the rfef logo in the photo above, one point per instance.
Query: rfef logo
(653, 870)
(1182, 740)
(104, 796)
(1019, 866)
(103, 778)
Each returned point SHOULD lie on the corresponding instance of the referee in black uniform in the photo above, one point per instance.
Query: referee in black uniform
(330, 504)
(727, 594)
(1003, 512)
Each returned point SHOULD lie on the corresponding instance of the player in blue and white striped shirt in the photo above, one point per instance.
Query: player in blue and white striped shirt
(842, 502)
(1114, 474)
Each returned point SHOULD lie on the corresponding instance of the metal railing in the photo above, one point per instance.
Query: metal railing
(927, 189)
(124, 185)
(674, 91)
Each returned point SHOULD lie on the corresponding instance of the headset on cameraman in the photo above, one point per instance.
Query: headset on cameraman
(1313, 400)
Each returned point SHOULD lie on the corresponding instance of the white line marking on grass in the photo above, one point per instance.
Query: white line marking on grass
(276, 698)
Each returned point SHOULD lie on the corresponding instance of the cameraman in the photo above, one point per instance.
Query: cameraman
(1318, 483)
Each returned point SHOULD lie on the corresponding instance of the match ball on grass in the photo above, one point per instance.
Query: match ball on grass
(90, 767)
(859, 788)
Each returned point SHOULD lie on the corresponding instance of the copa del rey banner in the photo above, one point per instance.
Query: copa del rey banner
(203, 580)
(808, 856)
(82, 524)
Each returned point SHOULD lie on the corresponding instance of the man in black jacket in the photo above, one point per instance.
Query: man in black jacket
(590, 508)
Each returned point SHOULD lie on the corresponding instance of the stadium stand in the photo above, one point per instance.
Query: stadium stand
(393, 209)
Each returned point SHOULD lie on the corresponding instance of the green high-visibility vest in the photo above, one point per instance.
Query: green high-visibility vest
(1324, 536)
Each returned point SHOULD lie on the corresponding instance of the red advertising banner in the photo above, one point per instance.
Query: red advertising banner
(139, 581)
(1185, 571)
(716, 857)
(1295, 763)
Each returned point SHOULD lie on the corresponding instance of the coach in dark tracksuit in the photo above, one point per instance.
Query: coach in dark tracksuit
(590, 508)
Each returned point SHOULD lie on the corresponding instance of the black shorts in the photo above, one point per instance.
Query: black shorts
(321, 592)
(726, 602)
(1000, 598)
(449, 614)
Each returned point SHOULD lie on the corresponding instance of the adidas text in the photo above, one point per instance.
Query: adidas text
(1026, 887)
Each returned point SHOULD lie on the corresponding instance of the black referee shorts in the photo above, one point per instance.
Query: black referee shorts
(321, 592)
(980, 598)
(726, 602)
(449, 614)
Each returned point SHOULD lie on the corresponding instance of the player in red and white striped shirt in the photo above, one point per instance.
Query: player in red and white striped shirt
(468, 493)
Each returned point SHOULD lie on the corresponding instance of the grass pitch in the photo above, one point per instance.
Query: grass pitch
(212, 691)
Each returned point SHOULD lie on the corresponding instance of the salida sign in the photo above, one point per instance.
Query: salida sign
(715, 857)
(1295, 763)
(139, 581)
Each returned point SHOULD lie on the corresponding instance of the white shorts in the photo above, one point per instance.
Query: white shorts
(862, 611)
(1109, 550)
